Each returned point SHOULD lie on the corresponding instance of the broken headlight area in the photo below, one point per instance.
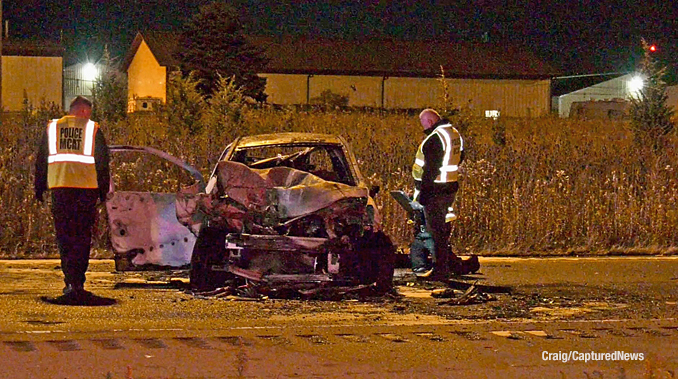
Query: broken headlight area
(342, 218)
(271, 239)
(290, 266)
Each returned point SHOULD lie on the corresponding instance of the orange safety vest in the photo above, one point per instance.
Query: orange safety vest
(71, 153)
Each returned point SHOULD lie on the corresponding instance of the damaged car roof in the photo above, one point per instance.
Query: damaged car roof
(287, 138)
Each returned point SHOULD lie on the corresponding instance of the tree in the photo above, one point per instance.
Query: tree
(213, 45)
(185, 105)
(110, 91)
(650, 115)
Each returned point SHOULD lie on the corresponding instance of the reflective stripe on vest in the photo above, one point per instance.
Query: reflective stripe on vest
(70, 158)
(450, 165)
(450, 215)
(72, 165)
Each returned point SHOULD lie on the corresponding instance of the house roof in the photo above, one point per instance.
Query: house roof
(401, 58)
(162, 45)
(32, 49)
(568, 84)
(375, 57)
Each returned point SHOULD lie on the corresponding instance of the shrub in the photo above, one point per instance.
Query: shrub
(552, 186)
(329, 99)
(650, 115)
(110, 92)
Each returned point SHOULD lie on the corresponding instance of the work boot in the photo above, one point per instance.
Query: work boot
(472, 264)
(422, 272)
(75, 294)
(68, 290)
(465, 266)
(433, 274)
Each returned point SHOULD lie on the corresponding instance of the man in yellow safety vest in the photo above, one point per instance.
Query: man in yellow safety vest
(435, 172)
(73, 163)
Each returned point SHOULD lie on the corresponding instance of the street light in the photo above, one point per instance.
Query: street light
(89, 72)
(635, 85)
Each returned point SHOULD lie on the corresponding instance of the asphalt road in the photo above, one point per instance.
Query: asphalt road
(547, 317)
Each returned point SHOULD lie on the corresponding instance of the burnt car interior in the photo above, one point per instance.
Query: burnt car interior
(325, 161)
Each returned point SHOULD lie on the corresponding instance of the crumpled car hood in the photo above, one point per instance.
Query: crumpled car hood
(292, 192)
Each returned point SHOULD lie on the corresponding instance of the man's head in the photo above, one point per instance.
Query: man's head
(80, 107)
(428, 117)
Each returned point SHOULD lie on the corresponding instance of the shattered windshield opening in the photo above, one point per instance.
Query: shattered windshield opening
(325, 161)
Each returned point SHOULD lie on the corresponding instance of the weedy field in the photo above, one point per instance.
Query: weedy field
(529, 186)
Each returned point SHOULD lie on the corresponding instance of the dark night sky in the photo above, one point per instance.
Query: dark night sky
(577, 36)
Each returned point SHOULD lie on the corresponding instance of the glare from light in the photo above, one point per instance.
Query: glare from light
(635, 85)
(89, 72)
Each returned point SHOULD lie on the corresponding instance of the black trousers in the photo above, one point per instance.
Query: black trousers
(435, 211)
(74, 211)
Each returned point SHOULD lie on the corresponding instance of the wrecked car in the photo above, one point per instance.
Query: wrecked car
(284, 211)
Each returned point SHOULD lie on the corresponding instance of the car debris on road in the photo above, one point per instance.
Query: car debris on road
(472, 295)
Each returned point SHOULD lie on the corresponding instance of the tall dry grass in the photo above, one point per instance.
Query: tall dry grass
(529, 186)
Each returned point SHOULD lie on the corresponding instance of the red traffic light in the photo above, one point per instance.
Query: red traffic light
(653, 48)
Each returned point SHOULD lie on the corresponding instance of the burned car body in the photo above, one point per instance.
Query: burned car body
(287, 209)
(143, 228)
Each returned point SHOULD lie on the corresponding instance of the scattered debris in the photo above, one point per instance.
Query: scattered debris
(472, 296)
(460, 285)
(443, 293)
(261, 290)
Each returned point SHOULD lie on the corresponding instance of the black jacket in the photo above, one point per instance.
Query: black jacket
(433, 158)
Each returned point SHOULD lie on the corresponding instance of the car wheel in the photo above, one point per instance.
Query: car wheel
(378, 254)
(209, 251)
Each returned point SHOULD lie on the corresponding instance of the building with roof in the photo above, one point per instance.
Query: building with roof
(594, 95)
(148, 63)
(489, 79)
(32, 71)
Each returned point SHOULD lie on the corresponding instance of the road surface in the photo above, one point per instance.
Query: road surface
(559, 317)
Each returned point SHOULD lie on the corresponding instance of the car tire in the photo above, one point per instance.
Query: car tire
(209, 251)
(379, 256)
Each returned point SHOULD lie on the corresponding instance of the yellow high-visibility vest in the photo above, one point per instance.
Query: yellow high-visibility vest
(453, 145)
(71, 153)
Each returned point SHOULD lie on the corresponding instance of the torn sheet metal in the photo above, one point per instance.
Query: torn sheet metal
(472, 295)
(279, 243)
(291, 192)
(277, 279)
(145, 229)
